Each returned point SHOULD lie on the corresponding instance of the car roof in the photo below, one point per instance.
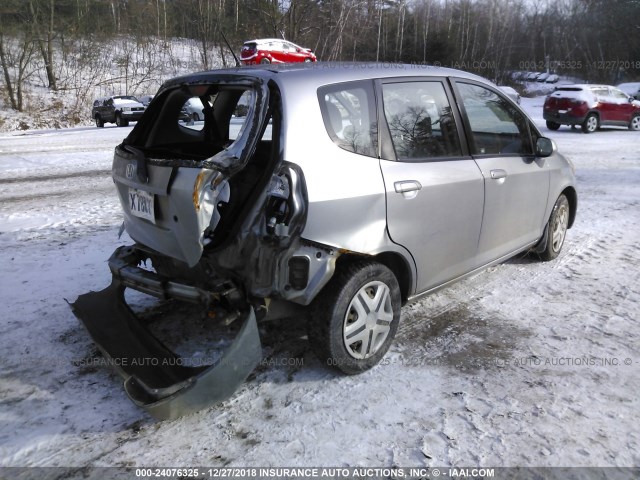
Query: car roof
(317, 74)
(583, 86)
(265, 40)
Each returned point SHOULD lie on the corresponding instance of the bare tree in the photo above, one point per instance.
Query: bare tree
(15, 59)
(44, 37)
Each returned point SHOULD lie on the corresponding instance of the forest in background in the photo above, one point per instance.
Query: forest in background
(76, 49)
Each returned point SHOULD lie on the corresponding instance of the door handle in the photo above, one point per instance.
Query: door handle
(407, 186)
(498, 174)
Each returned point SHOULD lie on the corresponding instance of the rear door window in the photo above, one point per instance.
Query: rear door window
(420, 120)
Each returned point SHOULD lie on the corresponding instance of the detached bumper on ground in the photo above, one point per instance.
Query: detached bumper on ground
(155, 377)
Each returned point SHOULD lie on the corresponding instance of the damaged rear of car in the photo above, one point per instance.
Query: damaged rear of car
(212, 208)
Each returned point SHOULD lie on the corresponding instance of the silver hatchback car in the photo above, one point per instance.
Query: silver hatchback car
(337, 192)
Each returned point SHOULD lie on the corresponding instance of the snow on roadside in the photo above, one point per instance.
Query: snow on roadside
(522, 365)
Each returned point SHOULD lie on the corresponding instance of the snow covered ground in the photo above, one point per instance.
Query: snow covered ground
(526, 364)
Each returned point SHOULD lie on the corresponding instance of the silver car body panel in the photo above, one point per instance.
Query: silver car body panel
(353, 204)
(440, 222)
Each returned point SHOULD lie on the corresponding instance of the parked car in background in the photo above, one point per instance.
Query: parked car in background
(511, 93)
(553, 78)
(194, 109)
(118, 109)
(591, 106)
(542, 77)
(258, 216)
(632, 89)
(273, 50)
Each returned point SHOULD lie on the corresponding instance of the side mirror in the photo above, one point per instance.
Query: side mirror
(545, 147)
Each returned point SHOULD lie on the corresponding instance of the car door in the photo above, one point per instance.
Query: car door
(623, 108)
(277, 52)
(434, 189)
(109, 112)
(516, 182)
(607, 107)
(290, 54)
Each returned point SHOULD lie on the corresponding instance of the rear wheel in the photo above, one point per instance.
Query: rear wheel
(556, 229)
(552, 125)
(356, 316)
(590, 123)
(99, 121)
(634, 124)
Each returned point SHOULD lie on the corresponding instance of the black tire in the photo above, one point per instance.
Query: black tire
(335, 311)
(99, 121)
(195, 117)
(552, 125)
(634, 124)
(591, 123)
(121, 122)
(556, 230)
(265, 61)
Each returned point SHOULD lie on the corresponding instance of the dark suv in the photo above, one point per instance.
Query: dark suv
(591, 106)
(118, 109)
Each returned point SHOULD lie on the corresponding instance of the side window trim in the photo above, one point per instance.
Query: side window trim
(532, 131)
(387, 150)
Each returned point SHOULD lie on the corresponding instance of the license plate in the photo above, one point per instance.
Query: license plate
(141, 204)
(562, 112)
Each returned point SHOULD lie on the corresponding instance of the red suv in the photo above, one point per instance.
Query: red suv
(272, 50)
(591, 106)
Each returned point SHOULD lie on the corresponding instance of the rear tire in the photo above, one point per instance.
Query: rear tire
(634, 124)
(354, 319)
(591, 123)
(556, 229)
(552, 125)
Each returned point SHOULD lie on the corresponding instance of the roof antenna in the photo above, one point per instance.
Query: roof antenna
(230, 49)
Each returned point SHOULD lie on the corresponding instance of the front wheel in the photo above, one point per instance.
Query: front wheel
(195, 117)
(265, 61)
(552, 125)
(556, 229)
(121, 122)
(99, 121)
(355, 318)
(635, 123)
(590, 123)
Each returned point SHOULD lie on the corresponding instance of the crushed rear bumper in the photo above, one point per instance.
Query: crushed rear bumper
(155, 378)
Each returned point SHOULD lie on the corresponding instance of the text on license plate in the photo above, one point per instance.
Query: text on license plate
(141, 204)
